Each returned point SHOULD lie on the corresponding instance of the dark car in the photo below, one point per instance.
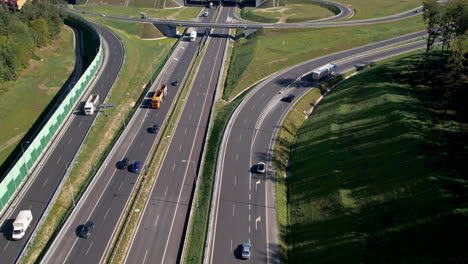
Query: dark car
(153, 129)
(135, 167)
(123, 163)
(175, 83)
(289, 98)
(87, 229)
(246, 250)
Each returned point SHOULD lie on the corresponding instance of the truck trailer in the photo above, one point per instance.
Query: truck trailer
(324, 71)
(193, 35)
(21, 224)
(158, 96)
(92, 104)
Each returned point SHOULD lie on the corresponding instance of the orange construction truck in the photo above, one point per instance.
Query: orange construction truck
(158, 96)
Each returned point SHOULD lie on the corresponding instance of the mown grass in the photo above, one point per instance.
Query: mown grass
(289, 12)
(375, 173)
(365, 9)
(143, 59)
(177, 13)
(270, 50)
(23, 101)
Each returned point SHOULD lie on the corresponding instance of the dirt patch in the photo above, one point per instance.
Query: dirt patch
(12, 141)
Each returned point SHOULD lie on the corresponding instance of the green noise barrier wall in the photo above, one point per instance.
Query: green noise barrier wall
(19, 171)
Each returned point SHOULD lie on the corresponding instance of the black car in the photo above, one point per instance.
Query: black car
(123, 164)
(153, 129)
(87, 229)
(289, 98)
(175, 83)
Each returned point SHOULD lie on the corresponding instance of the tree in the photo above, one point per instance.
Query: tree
(432, 17)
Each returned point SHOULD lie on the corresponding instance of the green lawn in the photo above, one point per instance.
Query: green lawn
(177, 13)
(379, 8)
(292, 11)
(143, 58)
(271, 50)
(23, 101)
(377, 174)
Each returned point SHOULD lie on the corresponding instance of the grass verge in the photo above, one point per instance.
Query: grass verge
(276, 49)
(23, 101)
(375, 175)
(365, 9)
(143, 60)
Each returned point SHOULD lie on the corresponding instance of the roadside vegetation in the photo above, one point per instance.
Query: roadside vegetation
(143, 60)
(289, 11)
(376, 173)
(276, 49)
(22, 101)
(365, 9)
(22, 32)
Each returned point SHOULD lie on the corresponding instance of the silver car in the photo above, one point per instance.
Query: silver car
(261, 168)
(246, 250)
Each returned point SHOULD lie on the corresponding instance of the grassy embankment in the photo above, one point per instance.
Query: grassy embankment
(23, 101)
(290, 11)
(271, 50)
(376, 173)
(143, 59)
(372, 8)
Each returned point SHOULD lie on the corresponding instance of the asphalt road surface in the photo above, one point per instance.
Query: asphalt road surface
(51, 170)
(107, 196)
(244, 210)
(234, 23)
(161, 231)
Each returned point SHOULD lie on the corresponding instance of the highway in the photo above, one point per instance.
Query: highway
(106, 199)
(234, 23)
(160, 236)
(243, 208)
(51, 170)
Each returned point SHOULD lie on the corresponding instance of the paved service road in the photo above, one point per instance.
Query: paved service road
(160, 235)
(51, 170)
(107, 196)
(244, 206)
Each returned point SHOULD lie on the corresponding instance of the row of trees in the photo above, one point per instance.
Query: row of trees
(36, 25)
(449, 24)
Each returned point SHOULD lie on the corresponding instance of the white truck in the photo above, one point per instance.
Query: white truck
(193, 35)
(92, 104)
(324, 71)
(21, 224)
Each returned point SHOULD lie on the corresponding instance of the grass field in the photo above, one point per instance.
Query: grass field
(292, 11)
(376, 174)
(364, 9)
(268, 51)
(143, 59)
(379, 8)
(177, 13)
(22, 101)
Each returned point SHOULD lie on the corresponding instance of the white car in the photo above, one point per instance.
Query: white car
(261, 167)
(246, 250)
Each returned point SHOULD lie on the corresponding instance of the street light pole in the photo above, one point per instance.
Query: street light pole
(24, 160)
